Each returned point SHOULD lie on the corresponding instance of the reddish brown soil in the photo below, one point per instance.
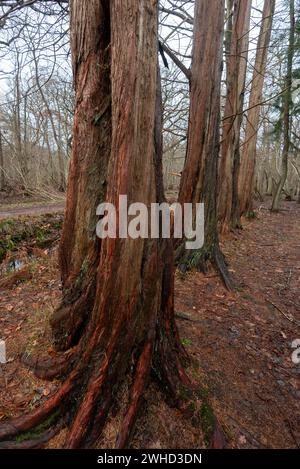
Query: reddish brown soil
(243, 339)
(240, 342)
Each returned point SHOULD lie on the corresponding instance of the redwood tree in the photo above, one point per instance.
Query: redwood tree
(287, 105)
(230, 151)
(246, 176)
(199, 177)
(117, 310)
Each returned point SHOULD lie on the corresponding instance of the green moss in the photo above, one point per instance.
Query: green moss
(251, 214)
(207, 421)
(195, 364)
(186, 342)
(34, 434)
(40, 235)
(185, 393)
(23, 229)
(6, 224)
(57, 225)
(193, 259)
(192, 407)
(82, 274)
(203, 393)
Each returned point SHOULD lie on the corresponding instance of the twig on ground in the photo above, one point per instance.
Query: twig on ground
(291, 319)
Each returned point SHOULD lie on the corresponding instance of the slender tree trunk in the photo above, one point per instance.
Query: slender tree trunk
(248, 159)
(17, 130)
(25, 131)
(286, 111)
(228, 31)
(199, 177)
(269, 178)
(60, 157)
(297, 190)
(52, 172)
(127, 320)
(230, 154)
(2, 174)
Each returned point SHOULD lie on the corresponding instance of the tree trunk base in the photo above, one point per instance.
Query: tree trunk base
(199, 259)
(91, 378)
(92, 374)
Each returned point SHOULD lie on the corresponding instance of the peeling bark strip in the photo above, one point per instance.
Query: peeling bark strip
(122, 304)
(230, 154)
(246, 176)
(199, 177)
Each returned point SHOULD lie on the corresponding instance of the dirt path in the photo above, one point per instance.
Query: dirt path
(243, 340)
(28, 209)
(240, 342)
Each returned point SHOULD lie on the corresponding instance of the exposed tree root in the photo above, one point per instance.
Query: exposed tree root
(218, 439)
(51, 367)
(89, 418)
(98, 370)
(199, 259)
(70, 318)
(36, 442)
(99, 390)
(27, 422)
(220, 263)
(19, 276)
(137, 391)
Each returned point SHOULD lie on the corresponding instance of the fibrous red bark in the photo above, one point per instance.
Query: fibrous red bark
(248, 157)
(79, 247)
(199, 177)
(287, 105)
(118, 307)
(228, 210)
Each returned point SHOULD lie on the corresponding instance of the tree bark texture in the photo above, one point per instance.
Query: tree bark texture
(2, 174)
(230, 150)
(199, 177)
(247, 169)
(287, 104)
(118, 308)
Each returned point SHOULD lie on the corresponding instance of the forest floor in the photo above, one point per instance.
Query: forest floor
(240, 342)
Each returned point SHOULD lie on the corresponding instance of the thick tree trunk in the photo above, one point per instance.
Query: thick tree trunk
(127, 319)
(247, 170)
(87, 184)
(199, 177)
(230, 154)
(286, 110)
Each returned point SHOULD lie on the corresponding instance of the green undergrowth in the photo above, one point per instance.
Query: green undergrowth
(36, 231)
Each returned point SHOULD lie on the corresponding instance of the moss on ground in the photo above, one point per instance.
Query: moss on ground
(31, 435)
